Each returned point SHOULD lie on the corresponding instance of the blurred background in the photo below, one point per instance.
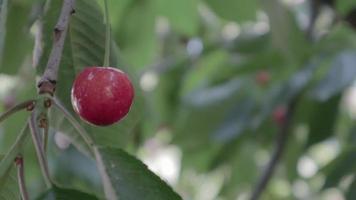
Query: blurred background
(217, 82)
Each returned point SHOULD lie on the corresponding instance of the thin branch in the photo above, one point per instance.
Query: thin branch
(21, 177)
(21, 106)
(38, 146)
(281, 141)
(48, 80)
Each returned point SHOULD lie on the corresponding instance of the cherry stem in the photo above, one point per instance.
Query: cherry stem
(108, 36)
(88, 140)
(48, 80)
(38, 147)
(21, 177)
(21, 106)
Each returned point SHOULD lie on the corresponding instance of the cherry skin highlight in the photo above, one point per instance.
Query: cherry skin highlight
(102, 95)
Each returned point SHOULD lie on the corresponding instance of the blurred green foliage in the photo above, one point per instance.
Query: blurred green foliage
(195, 65)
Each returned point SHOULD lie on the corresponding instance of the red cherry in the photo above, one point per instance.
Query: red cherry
(279, 115)
(102, 95)
(262, 77)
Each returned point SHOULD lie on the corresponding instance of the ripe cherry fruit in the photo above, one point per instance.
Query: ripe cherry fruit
(102, 95)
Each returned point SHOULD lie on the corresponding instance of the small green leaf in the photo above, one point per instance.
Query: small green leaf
(65, 194)
(125, 177)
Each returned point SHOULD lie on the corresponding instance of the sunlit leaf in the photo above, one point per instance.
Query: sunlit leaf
(125, 177)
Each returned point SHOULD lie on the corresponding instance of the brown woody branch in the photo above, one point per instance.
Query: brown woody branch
(47, 83)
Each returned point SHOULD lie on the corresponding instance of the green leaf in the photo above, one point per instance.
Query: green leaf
(186, 23)
(234, 10)
(342, 165)
(236, 121)
(286, 36)
(65, 194)
(71, 169)
(341, 75)
(17, 29)
(339, 38)
(136, 34)
(85, 46)
(244, 170)
(125, 177)
(351, 192)
(202, 74)
(8, 184)
(345, 6)
(322, 118)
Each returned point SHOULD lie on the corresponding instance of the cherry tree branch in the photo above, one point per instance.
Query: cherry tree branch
(38, 147)
(48, 80)
(21, 177)
(29, 105)
(281, 141)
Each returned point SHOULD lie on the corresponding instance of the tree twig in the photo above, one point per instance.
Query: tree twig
(23, 105)
(48, 80)
(38, 147)
(21, 177)
(281, 141)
